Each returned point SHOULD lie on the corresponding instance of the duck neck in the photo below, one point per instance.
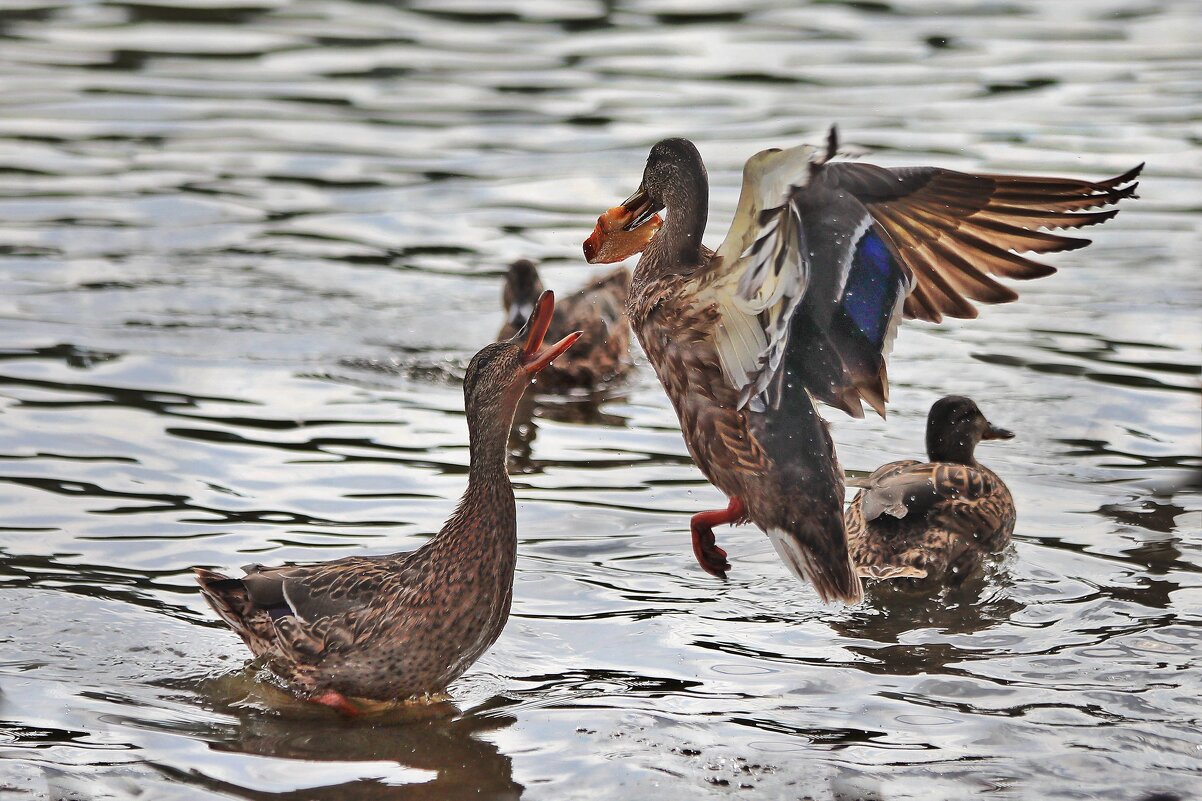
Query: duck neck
(488, 437)
(953, 447)
(678, 242)
(486, 516)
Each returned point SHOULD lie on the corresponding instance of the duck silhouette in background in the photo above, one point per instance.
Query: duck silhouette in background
(598, 310)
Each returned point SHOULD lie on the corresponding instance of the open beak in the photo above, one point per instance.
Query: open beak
(640, 208)
(534, 356)
(993, 432)
(623, 230)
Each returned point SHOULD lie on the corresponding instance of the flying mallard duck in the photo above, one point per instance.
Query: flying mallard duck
(598, 310)
(404, 625)
(801, 302)
(933, 520)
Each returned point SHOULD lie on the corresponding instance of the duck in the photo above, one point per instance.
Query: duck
(800, 304)
(355, 631)
(933, 520)
(598, 309)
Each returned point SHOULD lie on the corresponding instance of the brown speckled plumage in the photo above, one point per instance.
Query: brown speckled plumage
(933, 520)
(598, 309)
(801, 302)
(784, 468)
(401, 625)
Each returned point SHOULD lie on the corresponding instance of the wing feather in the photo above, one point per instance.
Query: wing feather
(1019, 216)
(757, 266)
(800, 278)
(739, 340)
(958, 227)
(908, 488)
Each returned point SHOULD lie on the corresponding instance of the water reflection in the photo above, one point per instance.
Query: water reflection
(576, 407)
(446, 754)
(894, 612)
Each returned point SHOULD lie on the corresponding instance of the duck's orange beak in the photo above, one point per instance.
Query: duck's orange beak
(534, 356)
(617, 236)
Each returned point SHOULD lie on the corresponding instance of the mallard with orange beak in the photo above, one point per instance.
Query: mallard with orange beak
(801, 302)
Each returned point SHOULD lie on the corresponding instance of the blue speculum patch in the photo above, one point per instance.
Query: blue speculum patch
(872, 286)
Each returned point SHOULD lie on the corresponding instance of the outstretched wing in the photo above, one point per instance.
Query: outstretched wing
(955, 230)
(761, 269)
(821, 279)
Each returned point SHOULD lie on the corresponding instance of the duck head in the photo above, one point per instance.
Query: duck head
(498, 375)
(674, 179)
(954, 427)
(521, 292)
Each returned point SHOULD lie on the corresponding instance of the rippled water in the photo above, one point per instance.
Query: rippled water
(246, 247)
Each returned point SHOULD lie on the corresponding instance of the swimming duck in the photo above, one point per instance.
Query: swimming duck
(936, 519)
(404, 625)
(598, 309)
(801, 302)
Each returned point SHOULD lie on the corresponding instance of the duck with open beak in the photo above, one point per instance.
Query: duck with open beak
(598, 309)
(534, 356)
(364, 629)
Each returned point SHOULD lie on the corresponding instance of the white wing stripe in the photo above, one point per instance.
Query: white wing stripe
(763, 269)
(845, 267)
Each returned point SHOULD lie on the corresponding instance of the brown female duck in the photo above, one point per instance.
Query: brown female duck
(933, 520)
(598, 310)
(403, 625)
(801, 302)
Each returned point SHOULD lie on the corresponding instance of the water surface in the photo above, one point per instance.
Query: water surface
(247, 247)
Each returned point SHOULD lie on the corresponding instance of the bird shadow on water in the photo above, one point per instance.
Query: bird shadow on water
(437, 749)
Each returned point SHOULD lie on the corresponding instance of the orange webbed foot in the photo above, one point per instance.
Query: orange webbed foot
(705, 545)
(338, 702)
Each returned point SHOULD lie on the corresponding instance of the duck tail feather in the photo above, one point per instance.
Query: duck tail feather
(216, 586)
(832, 574)
(226, 595)
(211, 580)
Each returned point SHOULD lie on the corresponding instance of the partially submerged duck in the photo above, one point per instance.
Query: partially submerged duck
(801, 302)
(933, 520)
(598, 310)
(385, 628)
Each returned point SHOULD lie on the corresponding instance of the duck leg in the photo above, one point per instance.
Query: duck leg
(338, 702)
(705, 546)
